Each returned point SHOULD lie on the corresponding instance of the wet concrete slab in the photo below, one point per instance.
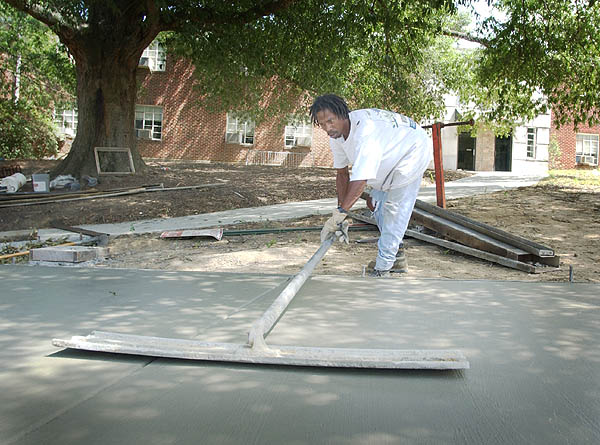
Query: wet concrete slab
(534, 377)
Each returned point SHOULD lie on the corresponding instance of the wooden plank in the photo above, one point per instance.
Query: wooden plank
(77, 230)
(458, 233)
(493, 232)
(109, 195)
(519, 265)
(215, 233)
(514, 264)
(466, 236)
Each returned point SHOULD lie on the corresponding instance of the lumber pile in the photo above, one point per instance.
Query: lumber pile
(25, 199)
(470, 237)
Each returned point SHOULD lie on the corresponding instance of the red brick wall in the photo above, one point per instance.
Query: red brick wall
(192, 133)
(566, 137)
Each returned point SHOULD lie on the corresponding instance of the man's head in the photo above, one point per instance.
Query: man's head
(330, 112)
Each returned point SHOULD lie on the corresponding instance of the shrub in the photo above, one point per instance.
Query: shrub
(26, 132)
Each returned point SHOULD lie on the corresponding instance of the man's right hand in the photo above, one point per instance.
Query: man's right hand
(334, 224)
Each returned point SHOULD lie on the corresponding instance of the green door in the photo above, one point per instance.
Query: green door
(466, 152)
(503, 154)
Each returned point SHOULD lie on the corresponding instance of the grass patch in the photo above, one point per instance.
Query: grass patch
(573, 178)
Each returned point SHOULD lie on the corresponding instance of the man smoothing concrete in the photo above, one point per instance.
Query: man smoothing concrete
(387, 151)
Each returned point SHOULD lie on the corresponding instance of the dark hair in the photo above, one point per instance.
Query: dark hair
(330, 102)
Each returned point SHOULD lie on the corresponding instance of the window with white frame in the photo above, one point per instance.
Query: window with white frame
(154, 57)
(66, 120)
(586, 149)
(298, 132)
(148, 122)
(531, 143)
(240, 129)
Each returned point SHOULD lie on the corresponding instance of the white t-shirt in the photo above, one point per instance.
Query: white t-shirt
(381, 142)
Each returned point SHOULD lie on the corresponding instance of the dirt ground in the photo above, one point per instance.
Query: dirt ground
(567, 219)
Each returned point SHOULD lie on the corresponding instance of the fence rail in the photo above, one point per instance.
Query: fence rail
(281, 158)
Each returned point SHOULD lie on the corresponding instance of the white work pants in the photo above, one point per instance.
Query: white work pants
(393, 210)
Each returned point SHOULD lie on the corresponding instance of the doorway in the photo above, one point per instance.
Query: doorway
(503, 154)
(466, 152)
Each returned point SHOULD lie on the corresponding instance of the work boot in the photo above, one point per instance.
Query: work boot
(400, 265)
(376, 273)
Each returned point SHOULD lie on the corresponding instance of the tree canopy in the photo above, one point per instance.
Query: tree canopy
(35, 73)
(396, 54)
(548, 50)
(534, 54)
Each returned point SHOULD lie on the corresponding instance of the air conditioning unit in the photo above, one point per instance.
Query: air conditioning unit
(144, 61)
(233, 138)
(303, 141)
(588, 160)
(143, 134)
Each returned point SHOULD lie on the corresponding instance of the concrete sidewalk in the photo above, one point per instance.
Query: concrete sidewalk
(480, 183)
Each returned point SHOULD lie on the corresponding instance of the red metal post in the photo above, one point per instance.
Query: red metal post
(438, 165)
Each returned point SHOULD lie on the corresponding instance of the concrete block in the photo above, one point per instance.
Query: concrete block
(68, 254)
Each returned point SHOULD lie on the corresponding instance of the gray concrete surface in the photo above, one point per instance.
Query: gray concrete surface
(480, 183)
(533, 348)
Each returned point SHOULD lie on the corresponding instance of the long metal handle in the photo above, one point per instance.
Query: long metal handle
(261, 327)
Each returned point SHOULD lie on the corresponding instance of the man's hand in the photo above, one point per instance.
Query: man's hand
(337, 226)
(370, 204)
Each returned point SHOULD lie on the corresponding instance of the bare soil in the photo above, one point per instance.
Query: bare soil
(565, 218)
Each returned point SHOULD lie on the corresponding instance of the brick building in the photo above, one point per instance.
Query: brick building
(170, 125)
(574, 147)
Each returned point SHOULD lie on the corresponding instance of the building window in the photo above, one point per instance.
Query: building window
(298, 132)
(66, 120)
(531, 143)
(154, 57)
(148, 122)
(240, 129)
(586, 149)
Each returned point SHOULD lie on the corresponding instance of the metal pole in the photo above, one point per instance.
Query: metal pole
(261, 327)
(437, 157)
(438, 165)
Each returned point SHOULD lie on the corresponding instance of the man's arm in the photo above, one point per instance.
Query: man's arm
(341, 183)
(348, 191)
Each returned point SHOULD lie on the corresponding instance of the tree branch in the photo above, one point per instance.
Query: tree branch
(465, 36)
(46, 16)
(37, 12)
(174, 22)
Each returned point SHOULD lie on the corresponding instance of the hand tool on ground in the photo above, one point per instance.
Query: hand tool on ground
(256, 350)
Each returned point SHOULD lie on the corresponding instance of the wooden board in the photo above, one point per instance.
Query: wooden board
(498, 234)
(214, 233)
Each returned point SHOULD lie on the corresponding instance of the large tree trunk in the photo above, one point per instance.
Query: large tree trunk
(106, 93)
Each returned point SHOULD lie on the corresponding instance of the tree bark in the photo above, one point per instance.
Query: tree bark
(106, 93)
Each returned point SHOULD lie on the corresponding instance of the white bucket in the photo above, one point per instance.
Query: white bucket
(13, 182)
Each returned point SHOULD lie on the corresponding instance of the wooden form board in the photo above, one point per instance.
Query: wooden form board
(493, 232)
(482, 236)
(466, 236)
(471, 236)
(214, 233)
